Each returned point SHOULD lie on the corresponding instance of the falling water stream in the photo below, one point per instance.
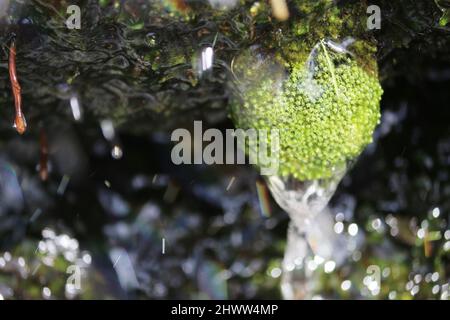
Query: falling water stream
(310, 231)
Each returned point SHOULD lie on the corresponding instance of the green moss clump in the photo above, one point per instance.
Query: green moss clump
(326, 111)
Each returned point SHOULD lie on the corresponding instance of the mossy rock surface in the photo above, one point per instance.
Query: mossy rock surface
(325, 109)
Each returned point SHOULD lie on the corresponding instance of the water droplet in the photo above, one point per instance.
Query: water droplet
(435, 289)
(76, 107)
(392, 295)
(353, 229)
(329, 266)
(435, 277)
(108, 129)
(117, 152)
(447, 235)
(275, 273)
(338, 227)
(346, 284)
(46, 293)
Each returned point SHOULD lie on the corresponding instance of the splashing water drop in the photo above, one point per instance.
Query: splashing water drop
(302, 200)
(204, 62)
(109, 133)
(108, 129)
(117, 152)
(311, 230)
(75, 105)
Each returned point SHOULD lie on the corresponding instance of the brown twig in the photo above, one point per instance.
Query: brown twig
(43, 162)
(19, 122)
